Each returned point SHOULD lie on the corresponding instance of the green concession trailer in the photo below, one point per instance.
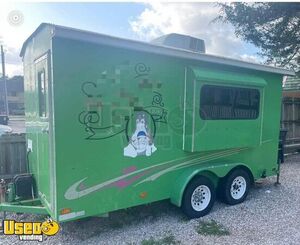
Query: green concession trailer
(114, 123)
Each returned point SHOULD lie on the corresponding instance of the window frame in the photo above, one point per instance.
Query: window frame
(45, 95)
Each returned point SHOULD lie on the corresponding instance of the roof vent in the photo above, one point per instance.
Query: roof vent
(181, 41)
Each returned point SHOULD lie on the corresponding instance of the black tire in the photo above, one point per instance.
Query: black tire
(205, 186)
(239, 181)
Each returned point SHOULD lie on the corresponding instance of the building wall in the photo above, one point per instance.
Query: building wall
(15, 95)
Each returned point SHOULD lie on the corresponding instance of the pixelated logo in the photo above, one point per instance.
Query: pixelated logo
(30, 231)
(15, 18)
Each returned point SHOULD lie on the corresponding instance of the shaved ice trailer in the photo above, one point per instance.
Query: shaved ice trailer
(113, 123)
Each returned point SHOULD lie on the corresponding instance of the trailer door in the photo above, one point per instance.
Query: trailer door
(43, 128)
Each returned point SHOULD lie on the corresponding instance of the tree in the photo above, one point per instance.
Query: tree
(273, 27)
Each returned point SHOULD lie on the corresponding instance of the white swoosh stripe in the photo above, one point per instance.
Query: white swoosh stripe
(72, 193)
(185, 164)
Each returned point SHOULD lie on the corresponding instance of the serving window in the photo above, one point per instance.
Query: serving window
(228, 103)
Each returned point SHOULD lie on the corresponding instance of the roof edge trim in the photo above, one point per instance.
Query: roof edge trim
(77, 34)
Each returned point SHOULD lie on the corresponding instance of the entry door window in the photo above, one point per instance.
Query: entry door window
(43, 93)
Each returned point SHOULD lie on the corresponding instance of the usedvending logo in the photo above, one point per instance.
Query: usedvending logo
(30, 231)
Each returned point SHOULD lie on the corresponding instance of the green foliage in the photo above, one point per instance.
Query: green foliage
(211, 228)
(273, 27)
(167, 240)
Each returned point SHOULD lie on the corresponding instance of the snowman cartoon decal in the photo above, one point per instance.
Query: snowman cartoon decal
(141, 142)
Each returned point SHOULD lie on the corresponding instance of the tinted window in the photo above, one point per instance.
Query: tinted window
(228, 103)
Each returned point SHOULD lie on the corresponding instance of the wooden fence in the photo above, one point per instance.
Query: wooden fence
(12, 155)
(290, 120)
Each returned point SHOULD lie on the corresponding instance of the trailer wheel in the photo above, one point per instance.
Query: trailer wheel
(198, 198)
(235, 187)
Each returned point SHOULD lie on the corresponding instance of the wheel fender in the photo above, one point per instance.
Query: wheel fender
(213, 172)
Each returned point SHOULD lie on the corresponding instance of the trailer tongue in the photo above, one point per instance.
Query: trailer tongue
(19, 196)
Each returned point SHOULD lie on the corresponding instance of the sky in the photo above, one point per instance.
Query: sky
(138, 21)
